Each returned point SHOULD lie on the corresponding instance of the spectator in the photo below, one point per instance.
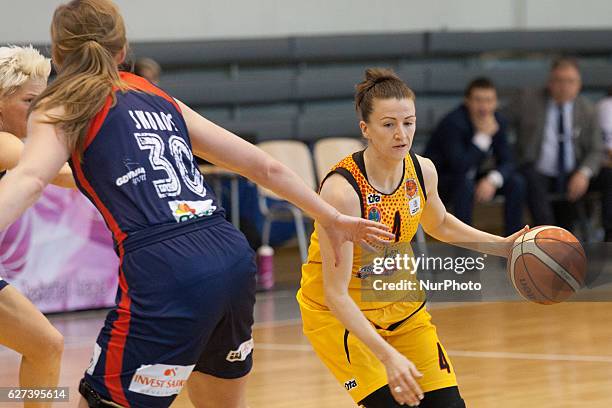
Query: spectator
(558, 144)
(604, 180)
(148, 68)
(470, 150)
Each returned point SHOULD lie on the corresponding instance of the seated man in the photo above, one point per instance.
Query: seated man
(559, 144)
(604, 180)
(470, 150)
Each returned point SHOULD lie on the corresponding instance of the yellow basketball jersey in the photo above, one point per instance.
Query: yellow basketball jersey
(400, 211)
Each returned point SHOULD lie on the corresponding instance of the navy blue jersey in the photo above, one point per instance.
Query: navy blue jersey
(186, 276)
(138, 168)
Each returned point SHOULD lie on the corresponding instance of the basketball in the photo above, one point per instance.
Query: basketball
(547, 265)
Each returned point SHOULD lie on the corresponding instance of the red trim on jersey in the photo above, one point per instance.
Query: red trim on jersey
(142, 84)
(116, 344)
(97, 122)
(137, 83)
(121, 326)
(108, 217)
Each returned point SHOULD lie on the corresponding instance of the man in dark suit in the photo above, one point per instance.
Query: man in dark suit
(474, 162)
(604, 180)
(559, 144)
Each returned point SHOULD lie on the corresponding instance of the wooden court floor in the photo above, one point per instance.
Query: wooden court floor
(505, 354)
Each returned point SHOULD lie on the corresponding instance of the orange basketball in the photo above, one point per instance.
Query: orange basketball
(547, 265)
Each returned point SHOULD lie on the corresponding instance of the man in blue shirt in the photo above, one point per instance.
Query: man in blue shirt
(559, 144)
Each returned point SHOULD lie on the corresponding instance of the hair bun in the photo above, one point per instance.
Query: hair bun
(389, 86)
(377, 75)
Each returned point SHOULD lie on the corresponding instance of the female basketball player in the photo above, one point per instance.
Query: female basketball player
(186, 279)
(23, 76)
(384, 350)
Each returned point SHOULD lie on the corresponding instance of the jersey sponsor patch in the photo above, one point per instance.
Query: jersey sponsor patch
(160, 380)
(374, 214)
(242, 352)
(94, 359)
(188, 210)
(412, 188)
(415, 205)
(374, 198)
(135, 176)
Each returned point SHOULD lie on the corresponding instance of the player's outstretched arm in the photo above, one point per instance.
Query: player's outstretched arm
(43, 156)
(227, 150)
(400, 371)
(12, 149)
(443, 226)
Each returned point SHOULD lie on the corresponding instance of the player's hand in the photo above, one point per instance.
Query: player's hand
(358, 230)
(485, 191)
(402, 375)
(577, 186)
(509, 240)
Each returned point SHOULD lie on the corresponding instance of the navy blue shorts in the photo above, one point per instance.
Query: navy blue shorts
(183, 304)
(3, 283)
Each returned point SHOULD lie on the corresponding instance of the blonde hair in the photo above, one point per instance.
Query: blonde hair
(18, 65)
(86, 36)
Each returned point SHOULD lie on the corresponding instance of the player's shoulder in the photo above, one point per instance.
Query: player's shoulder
(45, 112)
(428, 168)
(6, 138)
(6, 135)
(426, 164)
(338, 192)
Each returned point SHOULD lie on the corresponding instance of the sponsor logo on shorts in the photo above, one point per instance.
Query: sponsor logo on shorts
(160, 380)
(241, 353)
(350, 384)
(94, 359)
(188, 210)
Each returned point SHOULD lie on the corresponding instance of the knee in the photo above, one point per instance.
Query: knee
(208, 403)
(381, 398)
(458, 404)
(207, 400)
(443, 398)
(55, 343)
(49, 346)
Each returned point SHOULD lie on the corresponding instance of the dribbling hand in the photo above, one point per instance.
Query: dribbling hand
(509, 240)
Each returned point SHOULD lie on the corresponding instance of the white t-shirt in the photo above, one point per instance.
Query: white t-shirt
(604, 110)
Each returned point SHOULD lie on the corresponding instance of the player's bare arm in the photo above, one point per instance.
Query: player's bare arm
(12, 149)
(43, 156)
(212, 143)
(443, 226)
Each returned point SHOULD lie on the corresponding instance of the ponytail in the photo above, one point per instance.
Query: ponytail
(87, 35)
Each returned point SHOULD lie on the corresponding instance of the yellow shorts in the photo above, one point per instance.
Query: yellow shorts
(359, 371)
